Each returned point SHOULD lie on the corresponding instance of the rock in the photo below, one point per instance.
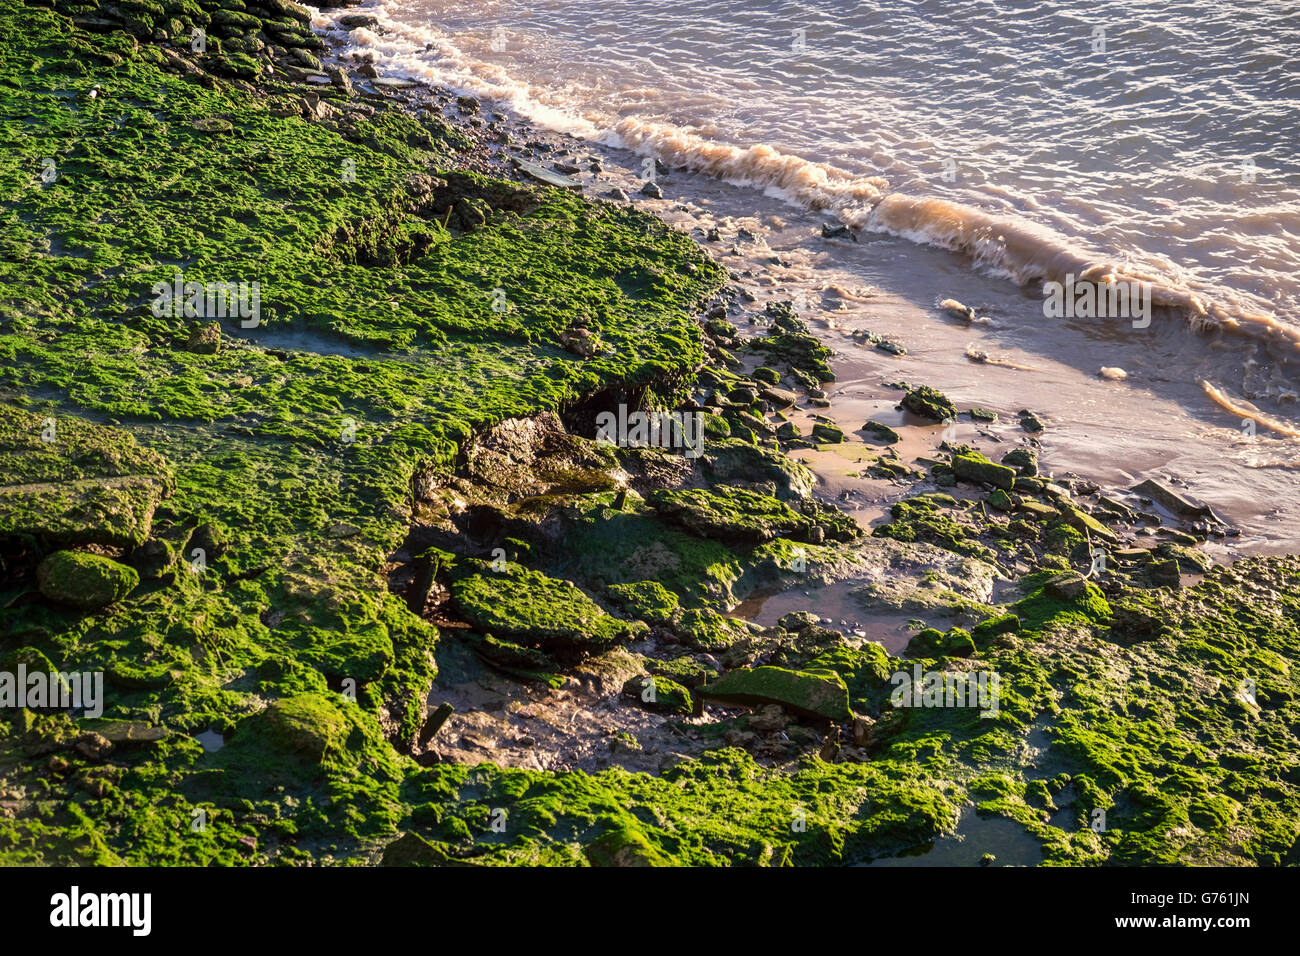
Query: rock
(537, 611)
(929, 403)
(743, 395)
(787, 431)
(617, 195)
(769, 719)
(357, 21)
(568, 169)
(467, 104)
(1023, 460)
(84, 581)
(834, 230)
(433, 723)
(659, 694)
(815, 694)
(882, 432)
(651, 189)
(1084, 522)
(778, 397)
(307, 725)
(955, 308)
(1000, 500)
(204, 339)
(728, 513)
(1030, 422)
(368, 71)
(713, 235)
(1068, 585)
(976, 467)
(93, 746)
(1166, 573)
(624, 846)
(411, 849)
(1172, 501)
(340, 79)
(826, 432)
(153, 559)
(213, 124)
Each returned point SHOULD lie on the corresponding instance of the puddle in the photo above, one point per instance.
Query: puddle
(211, 740)
(837, 608)
(1007, 840)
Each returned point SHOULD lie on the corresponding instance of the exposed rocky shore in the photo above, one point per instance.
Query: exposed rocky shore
(365, 586)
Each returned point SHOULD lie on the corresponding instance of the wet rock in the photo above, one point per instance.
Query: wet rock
(357, 21)
(1171, 500)
(84, 581)
(975, 467)
(1030, 422)
(826, 432)
(778, 397)
(1023, 460)
(652, 190)
(820, 694)
(340, 79)
(729, 513)
(929, 403)
(617, 195)
(468, 104)
(713, 236)
(882, 432)
(787, 431)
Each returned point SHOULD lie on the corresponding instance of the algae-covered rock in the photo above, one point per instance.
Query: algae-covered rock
(734, 461)
(882, 432)
(818, 694)
(411, 849)
(73, 482)
(84, 581)
(536, 610)
(308, 725)
(706, 629)
(624, 846)
(929, 403)
(1023, 460)
(729, 513)
(659, 693)
(647, 600)
(826, 432)
(975, 467)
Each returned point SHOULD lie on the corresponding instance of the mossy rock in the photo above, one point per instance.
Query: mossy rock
(624, 846)
(929, 403)
(815, 694)
(411, 849)
(646, 600)
(660, 694)
(707, 630)
(536, 610)
(975, 467)
(729, 513)
(84, 581)
(882, 432)
(825, 432)
(307, 725)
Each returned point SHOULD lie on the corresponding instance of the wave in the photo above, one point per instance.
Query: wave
(1003, 244)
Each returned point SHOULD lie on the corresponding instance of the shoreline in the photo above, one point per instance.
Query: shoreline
(356, 604)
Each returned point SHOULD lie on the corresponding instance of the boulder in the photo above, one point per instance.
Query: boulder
(814, 694)
(84, 581)
(976, 467)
